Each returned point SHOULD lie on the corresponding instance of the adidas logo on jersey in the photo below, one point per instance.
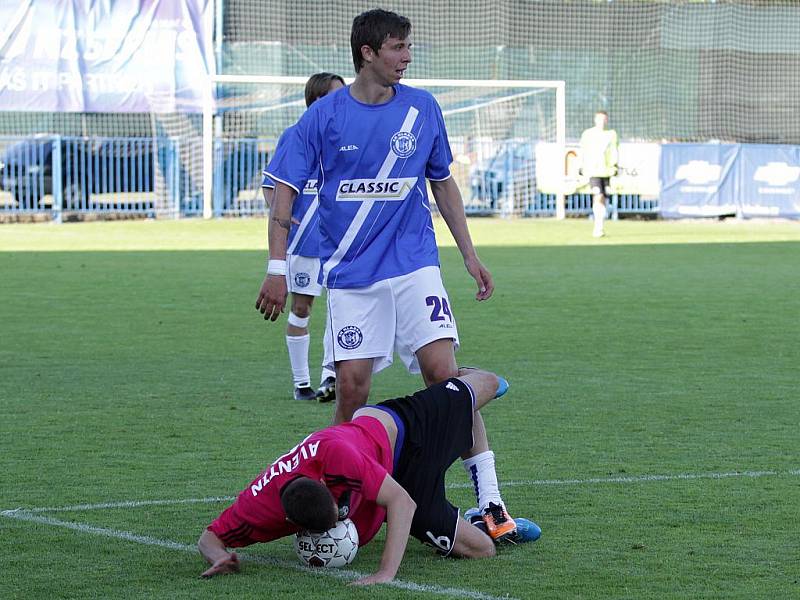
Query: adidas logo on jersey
(451, 386)
(358, 190)
(348, 148)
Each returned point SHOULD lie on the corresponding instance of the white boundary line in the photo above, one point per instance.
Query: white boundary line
(518, 483)
(640, 478)
(348, 575)
(126, 504)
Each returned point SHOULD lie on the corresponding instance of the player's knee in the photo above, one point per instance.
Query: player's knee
(298, 321)
(487, 550)
(440, 372)
(478, 547)
(352, 390)
(301, 308)
(490, 380)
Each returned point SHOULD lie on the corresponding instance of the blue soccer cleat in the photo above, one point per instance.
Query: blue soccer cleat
(526, 530)
(470, 514)
(502, 387)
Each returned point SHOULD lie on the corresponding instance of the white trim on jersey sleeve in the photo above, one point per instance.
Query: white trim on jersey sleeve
(278, 179)
(450, 176)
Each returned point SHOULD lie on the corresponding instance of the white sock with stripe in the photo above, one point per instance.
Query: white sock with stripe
(480, 468)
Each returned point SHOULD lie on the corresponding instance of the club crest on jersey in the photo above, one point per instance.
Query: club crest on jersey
(350, 337)
(403, 144)
(393, 189)
(302, 279)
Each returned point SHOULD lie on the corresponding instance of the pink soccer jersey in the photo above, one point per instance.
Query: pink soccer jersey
(354, 457)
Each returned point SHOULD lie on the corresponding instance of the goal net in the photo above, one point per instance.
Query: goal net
(494, 128)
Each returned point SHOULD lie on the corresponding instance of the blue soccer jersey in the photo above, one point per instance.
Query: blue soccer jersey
(304, 233)
(374, 216)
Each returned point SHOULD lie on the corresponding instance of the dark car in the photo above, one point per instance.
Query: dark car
(82, 166)
(128, 168)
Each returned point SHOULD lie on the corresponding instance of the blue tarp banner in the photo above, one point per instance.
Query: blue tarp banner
(105, 55)
(699, 180)
(770, 180)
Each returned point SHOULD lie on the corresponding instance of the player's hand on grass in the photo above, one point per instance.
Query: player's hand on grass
(481, 276)
(272, 297)
(374, 578)
(223, 566)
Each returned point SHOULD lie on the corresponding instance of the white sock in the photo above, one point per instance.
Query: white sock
(480, 468)
(599, 212)
(326, 372)
(298, 358)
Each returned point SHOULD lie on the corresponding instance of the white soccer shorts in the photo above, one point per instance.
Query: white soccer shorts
(301, 275)
(401, 314)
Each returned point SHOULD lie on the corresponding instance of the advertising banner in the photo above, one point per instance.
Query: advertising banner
(637, 169)
(770, 180)
(105, 55)
(699, 180)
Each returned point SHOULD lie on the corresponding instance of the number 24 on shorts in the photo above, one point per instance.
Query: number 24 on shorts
(440, 308)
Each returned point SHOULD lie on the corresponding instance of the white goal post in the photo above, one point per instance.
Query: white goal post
(506, 103)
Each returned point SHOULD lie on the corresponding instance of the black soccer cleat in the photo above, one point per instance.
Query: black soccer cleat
(327, 390)
(304, 393)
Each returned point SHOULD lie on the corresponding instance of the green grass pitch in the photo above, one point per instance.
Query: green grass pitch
(651, 429)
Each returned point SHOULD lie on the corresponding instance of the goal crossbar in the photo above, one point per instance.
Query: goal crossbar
(516, 84)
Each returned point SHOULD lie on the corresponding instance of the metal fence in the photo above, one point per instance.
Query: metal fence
(62, 175)
(544, 205)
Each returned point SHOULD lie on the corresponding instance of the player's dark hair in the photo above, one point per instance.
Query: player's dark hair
(309, 504)
(371, 28)
(601, 112)
(318, 85)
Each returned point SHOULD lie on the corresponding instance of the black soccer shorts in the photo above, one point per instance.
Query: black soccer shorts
(437, 425)
(599, 183)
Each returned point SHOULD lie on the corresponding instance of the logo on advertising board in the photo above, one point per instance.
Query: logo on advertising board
(699, 174)
(777, 176)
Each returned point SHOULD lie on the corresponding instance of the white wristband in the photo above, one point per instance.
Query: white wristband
(276, 267)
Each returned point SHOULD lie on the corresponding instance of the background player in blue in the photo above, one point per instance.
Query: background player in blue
(375, 143)
(302, 264)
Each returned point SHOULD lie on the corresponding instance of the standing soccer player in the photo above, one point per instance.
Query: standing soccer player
(375, 144)
(302, 264)
(599, 155)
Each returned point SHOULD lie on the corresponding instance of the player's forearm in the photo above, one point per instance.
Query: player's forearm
(280, 221)
(451, 207)
(269, 194)
(211, 547)
(399, 514)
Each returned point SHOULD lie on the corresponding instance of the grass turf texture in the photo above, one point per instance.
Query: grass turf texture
(134, 367)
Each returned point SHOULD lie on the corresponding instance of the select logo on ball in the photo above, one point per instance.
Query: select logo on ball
(336, 547)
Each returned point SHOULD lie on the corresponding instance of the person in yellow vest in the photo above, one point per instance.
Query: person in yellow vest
(599, 156)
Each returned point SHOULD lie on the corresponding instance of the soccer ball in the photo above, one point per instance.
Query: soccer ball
(336, 547)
